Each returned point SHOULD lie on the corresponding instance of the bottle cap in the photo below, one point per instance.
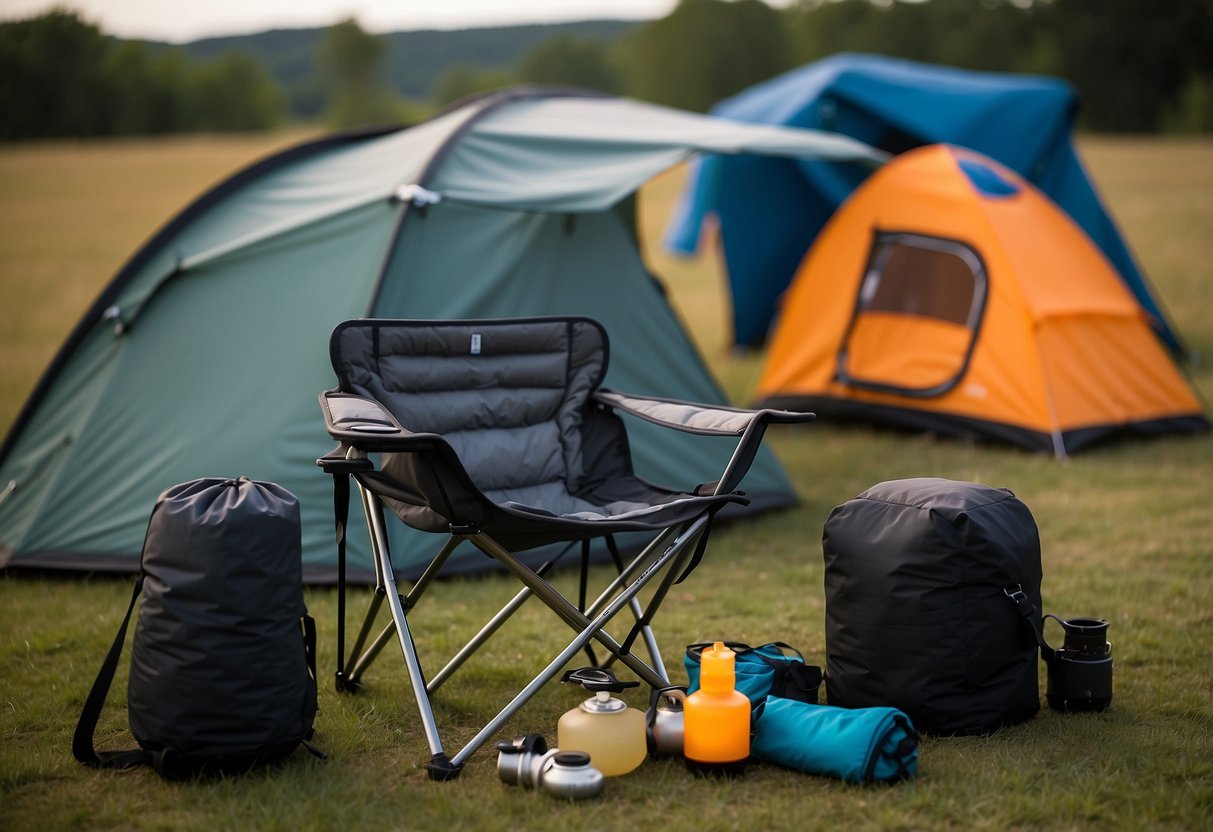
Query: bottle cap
(603, 703)
(716, 667)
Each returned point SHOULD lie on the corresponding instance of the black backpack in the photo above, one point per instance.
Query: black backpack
(928, 583)
(222, 671)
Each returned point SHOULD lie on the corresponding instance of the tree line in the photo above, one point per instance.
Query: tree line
(60, 76)
(1137, 66)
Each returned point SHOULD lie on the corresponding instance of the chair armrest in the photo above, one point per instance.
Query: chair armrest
(748, 425)
(710, 420)
(363, 423)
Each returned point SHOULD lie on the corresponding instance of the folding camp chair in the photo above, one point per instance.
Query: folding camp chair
(496, 432)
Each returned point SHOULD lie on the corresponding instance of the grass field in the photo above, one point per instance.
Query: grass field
(1127, 533)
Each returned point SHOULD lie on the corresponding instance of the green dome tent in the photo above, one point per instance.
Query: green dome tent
(205, 354)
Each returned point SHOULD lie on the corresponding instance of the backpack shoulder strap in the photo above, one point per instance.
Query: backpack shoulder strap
(1031, 616)
(82, 742)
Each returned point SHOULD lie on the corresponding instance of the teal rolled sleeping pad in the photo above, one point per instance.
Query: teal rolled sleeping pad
(858, 745)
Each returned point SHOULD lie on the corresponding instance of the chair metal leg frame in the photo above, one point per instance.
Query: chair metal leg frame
(593, 629)
(574, 617)
(642, 615)
(349, 678)
(373, 511)
(480, 638)
(650, 642)
(642, 622)
(440, 766)
(493, 625)
(645, 631)
(364, 660)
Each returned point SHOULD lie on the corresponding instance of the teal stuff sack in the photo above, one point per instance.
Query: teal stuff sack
(858, 745)
(774, 669)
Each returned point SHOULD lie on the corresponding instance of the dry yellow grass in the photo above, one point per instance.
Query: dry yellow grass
(1160, 192)
(71, 213)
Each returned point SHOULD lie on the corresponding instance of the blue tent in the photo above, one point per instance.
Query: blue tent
(770, 210)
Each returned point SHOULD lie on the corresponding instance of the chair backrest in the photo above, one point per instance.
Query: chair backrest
(508, 395)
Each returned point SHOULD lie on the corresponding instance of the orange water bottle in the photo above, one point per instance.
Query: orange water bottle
(716, 718)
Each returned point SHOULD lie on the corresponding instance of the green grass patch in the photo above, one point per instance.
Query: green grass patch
(1127, 534)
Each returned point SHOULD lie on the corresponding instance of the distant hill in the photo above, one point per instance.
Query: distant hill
(415, 60)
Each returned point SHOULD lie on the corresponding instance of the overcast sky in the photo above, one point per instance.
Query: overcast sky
(180, 21)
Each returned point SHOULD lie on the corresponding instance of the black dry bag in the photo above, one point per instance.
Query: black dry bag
(926, 581)
(222, 671)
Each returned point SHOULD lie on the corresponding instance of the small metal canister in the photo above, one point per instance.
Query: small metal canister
(527, 762)
(664, 721)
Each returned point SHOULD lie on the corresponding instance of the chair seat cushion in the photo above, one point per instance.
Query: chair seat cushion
(554, 500)
(537, 515)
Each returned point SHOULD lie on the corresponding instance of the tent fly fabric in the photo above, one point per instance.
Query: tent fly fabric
(769, 210)
(949, 294)
(205, 354)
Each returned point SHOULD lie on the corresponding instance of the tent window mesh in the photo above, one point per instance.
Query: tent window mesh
(913, 280)
(916, 317)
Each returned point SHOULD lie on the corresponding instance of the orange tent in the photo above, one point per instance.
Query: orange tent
(949, 294)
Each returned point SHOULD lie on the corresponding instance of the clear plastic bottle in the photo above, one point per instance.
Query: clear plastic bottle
(716, 718)
(604, 727)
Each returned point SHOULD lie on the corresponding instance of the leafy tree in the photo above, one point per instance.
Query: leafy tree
(60, 76)
(1133, 62)
(233, 92)
(171, 73)
(706, 50)
(147, 93)
(51, 77)
(1136, 66)
(1193, 112)
(352, 60)
(130, 75)
(568, 59)
(975, 34)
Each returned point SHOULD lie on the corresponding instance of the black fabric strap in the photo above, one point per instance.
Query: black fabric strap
(793, 678)
(309, 644)
(309, 651)
(700, 547)
(582, 588)
(644, 620)
(341, 515)
(86, 728)
(1031, 616)
(796, 681)
(696, 650)
(585, 574)
(782, 645)
(313, 750)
